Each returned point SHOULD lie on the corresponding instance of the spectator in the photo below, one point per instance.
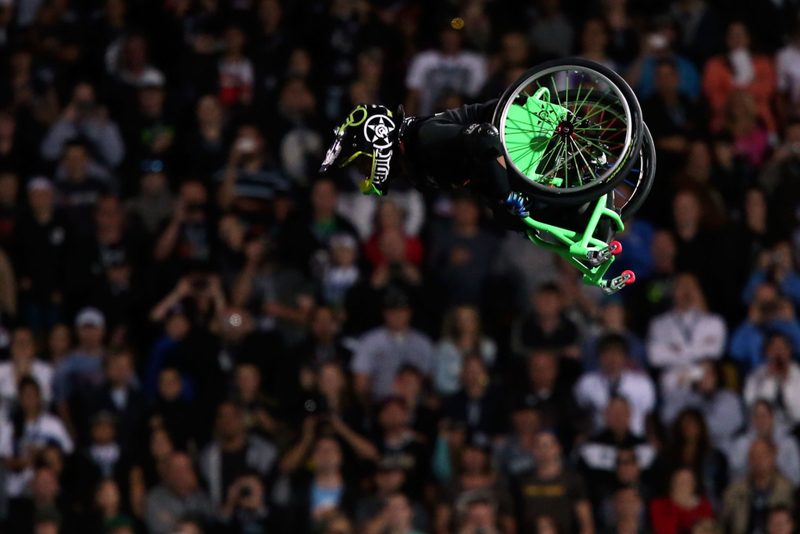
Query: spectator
(462, 254)
(301, 237)
(689, 447)
(776, 380)
(787, 61)
(340, 272)
(753, 73)
(699, 29)
(701, 389)
(203, 149)
(390, 216)
(660, 48)
(688, 333)
(43, 506)
(249, 173)
(764, 427)
(84, 119)
(566, 501)
(628, 512)
(389, 479)
(178, 495)
(235, 70)
(399, 442)
(477, 481)
(477, 406)
(780, 520)
(597, 456)
(777, 266)
(672, 116)
(595, 390)
(84, 366)
(396, 517)
(10, 205)
(768, 312)
(24, 363)
(382, 351)
(462, 335)
(187, 238)
(481, 516)
(150, 131)
(121, 396)
(614, 319)
(411, 386)
(546, 326)
(516, 454)
(232, 452)
(79, 191)
(33, 428)
(318, 495)
(434, 74)
(245, 507)
(552, 396)
(40, 247)
(154, 203)
(748, 500)
(324, 343)
(171, 411)
(684, 506)
(551, 31)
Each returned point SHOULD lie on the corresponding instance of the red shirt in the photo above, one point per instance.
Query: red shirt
(414, 251)
(669, 518)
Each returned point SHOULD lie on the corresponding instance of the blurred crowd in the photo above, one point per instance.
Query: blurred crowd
(199, 334)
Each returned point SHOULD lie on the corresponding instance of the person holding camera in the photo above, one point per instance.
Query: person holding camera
(244, 510)
(777, 266)
(777, 380)
(84, 119)
(768, 311)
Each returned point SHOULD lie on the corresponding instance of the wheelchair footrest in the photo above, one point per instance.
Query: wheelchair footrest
(600, 256)
(615, 284)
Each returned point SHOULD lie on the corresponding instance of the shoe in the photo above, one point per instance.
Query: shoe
(517, 205)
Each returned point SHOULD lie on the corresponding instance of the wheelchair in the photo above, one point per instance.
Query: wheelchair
(574, 139)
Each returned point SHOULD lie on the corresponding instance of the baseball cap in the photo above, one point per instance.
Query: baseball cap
(90, 317)
(39, 183)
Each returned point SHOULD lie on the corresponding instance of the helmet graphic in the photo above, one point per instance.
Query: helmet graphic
(369, 131)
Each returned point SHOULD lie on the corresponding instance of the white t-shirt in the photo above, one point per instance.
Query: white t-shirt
(40, 371)
(45, 430)
(787, 64)
(435, 75)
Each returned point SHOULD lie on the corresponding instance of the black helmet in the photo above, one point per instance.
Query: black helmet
(368, 131)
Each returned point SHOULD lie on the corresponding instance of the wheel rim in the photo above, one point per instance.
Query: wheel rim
(570, 132)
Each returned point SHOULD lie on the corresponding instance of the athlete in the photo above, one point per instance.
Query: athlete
(454, 149)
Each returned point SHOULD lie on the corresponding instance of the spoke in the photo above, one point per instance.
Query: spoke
(595, 145)
(550, 157)
(604, 108)
(617, 191)
(580, 153)
(586, 98)
(555, 87)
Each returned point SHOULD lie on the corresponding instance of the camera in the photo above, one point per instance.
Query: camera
(245, 492)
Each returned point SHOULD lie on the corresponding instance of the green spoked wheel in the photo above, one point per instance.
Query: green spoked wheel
(570, 129)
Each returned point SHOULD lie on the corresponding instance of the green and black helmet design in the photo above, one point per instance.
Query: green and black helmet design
(369, 131)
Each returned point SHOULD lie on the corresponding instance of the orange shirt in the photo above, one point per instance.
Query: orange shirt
(718, 84)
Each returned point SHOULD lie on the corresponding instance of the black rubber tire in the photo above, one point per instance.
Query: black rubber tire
(643, 188)
(565, 197)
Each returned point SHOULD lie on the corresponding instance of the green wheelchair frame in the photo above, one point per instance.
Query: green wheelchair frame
(591, 256)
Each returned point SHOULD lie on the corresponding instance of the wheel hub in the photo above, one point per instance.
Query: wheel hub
(565, 129)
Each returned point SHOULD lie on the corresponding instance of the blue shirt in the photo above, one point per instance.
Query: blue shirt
(748, 339)
(322, 498)
(76, 370)
(689, 84)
